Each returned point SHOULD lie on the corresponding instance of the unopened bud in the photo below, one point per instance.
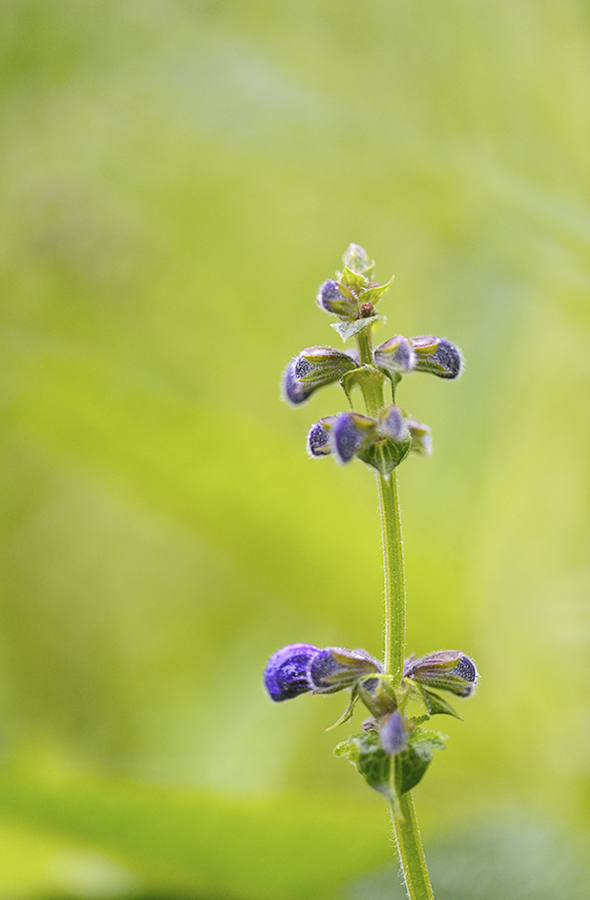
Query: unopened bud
(393, 733)
(285, 675)
(350, 432)
(335, 298)
(322, 365)
(357, 259)
(336, 668)
(421, 437)
(447, 670)
(395, 355)
(378, 695)
(312, 369)
(318, 439)
(437, 355)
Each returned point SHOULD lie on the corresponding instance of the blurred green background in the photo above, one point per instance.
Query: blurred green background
(176, 179)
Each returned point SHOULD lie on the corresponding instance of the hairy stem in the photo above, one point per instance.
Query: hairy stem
(411, 853)
(405, 827)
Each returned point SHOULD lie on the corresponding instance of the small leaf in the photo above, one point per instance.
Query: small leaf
(374, 294)
(411, 765)
(349, 329)
(437, 705)
(353, 279)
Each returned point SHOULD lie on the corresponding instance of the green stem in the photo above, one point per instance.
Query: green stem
(411, 853)
(405, 826)
(393, 568)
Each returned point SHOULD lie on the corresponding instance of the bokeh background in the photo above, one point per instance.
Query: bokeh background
(177, 177)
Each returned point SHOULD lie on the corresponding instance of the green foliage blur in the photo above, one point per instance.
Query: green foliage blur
(176, 179)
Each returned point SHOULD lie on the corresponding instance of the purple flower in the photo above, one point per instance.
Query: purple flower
(349, 433)
(285, 675)
(447, 670)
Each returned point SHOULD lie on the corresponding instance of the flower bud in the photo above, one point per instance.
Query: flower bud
(322, 365)
(336, 668)
(393, 425)
(318, 439)
(447, 670)
(312, 369)
(357, 259)
(437, 355)
(396, 355)
(393, 733)
(421, 437)
(335, 298)
(351, 430)
(285, 675)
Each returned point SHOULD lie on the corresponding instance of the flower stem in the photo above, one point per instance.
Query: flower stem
(411, 853)
(393, 568)
(405, 826)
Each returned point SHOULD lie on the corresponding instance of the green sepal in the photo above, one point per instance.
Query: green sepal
(378, 694)
(374, 294)
(385, 455)
(348, 329)
(436, 705)
(411, 765)
(348, 712)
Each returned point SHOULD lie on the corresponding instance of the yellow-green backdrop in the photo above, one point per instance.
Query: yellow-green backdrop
(176, 179)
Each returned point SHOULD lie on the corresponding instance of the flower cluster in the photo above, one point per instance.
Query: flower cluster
(386, 436)
(389, 735)
(394, 749)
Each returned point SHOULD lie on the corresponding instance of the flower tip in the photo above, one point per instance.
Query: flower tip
(292, 390)
(285, 675)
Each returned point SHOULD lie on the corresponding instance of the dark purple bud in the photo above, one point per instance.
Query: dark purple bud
(293, 390)
(349, 434)
(318, 439)
(393, 733)
(335, 298)
(393, 425)
(447, 670)
(336, 668)
(395, 355)
(437, 355)
(314, 368)
(285, 675)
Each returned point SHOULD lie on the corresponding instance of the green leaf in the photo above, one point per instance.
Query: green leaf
(374, 294)
(347, 330)
(353, 279)
(411, 765)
